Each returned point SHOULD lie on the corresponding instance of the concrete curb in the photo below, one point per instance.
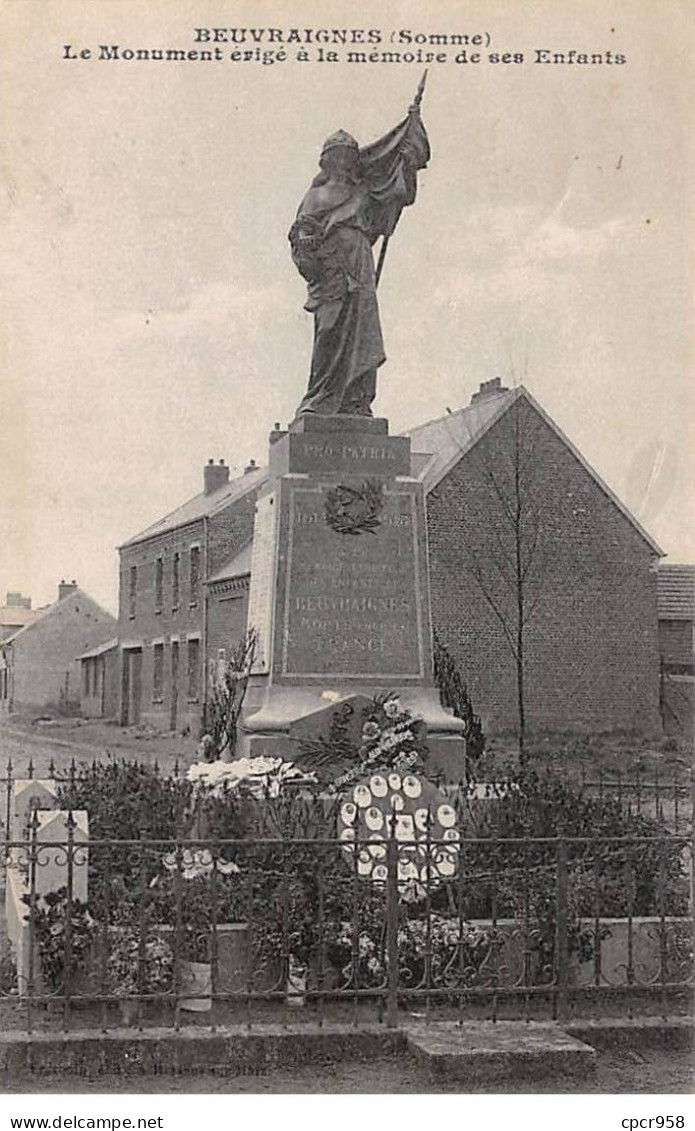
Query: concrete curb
(238, 1050)
(233, 1050)
(484, 1052)
(673, 1033)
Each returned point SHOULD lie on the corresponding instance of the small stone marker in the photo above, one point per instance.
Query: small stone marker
(29, 794)
(52, 851)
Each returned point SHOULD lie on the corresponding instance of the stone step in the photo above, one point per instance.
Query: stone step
(485, 1051)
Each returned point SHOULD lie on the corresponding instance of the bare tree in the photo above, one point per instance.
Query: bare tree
(504, 533)
(226, 697)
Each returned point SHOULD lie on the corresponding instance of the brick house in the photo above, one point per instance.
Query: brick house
(502, 475)
(676, 602)
(228, 595)
(590, 647)
(39, 666)
(165, 603)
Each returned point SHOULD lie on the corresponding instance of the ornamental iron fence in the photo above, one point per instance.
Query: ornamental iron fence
(346, 921)
(664, 797)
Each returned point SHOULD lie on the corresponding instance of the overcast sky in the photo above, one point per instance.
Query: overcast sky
(155, 317)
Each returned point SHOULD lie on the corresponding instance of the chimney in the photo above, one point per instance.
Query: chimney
(18, 601)
(490, 388)
(215, 475)
(277, 433)
(251, 466)
(66, 588)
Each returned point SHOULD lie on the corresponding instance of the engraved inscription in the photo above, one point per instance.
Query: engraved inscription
(352, 605)
(345, 451)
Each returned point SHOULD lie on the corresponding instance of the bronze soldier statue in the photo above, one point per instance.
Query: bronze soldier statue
(357, 197)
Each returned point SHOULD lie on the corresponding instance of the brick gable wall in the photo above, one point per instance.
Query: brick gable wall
(230, 530)
(676, 642)
(591, 640)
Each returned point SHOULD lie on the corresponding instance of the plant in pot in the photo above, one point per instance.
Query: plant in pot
(139, 961)
(64, 943)
(194, 892)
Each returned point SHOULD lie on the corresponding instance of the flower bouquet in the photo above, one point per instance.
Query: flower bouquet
(392, 739)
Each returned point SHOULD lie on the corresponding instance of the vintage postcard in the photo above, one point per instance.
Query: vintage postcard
(347, 579)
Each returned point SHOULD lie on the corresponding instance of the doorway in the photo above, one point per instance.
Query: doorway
(173, 718)
(132, 686)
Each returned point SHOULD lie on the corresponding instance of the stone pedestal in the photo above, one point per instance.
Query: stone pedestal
(339, 587)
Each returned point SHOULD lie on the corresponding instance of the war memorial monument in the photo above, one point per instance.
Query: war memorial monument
(340, 590)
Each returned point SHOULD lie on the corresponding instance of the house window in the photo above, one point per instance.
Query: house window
(194, 586)
(175, 581)
(158, 674)
(94, 664)
(85, 677)
(132, 591)
(158, 585)
(193, 670)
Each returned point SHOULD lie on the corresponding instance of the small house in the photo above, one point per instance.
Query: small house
(39, 665)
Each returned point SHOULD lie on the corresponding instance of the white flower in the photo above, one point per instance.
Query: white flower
(411, 786)
(197, 862)
(229, 868)
(446, 815)
(209, 772)
(260, 776)
(392, 708)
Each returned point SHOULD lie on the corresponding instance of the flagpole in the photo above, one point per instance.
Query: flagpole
(385, 241)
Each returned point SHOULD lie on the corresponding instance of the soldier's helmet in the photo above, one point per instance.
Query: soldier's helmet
(340, 138)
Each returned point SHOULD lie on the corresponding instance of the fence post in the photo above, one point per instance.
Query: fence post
(392, 929)
(691, 846)
(33, 950)
(8, 814)
(69, 964)
(561, 948)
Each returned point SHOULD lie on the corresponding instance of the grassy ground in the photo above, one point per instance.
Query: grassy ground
(574, 755)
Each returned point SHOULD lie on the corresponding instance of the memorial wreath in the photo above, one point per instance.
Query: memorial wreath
(355, 510)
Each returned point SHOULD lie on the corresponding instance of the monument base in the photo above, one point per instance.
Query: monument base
(340, 590)
(278, 720)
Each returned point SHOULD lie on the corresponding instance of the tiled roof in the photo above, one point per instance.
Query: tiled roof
(203, 505)
(101, 650)
(40, 614)
(237, 566)
(449, 438)
(48, 610)
(675, 588)
(14, 616)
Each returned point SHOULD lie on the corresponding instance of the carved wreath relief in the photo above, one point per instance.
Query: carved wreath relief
(355, 510)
